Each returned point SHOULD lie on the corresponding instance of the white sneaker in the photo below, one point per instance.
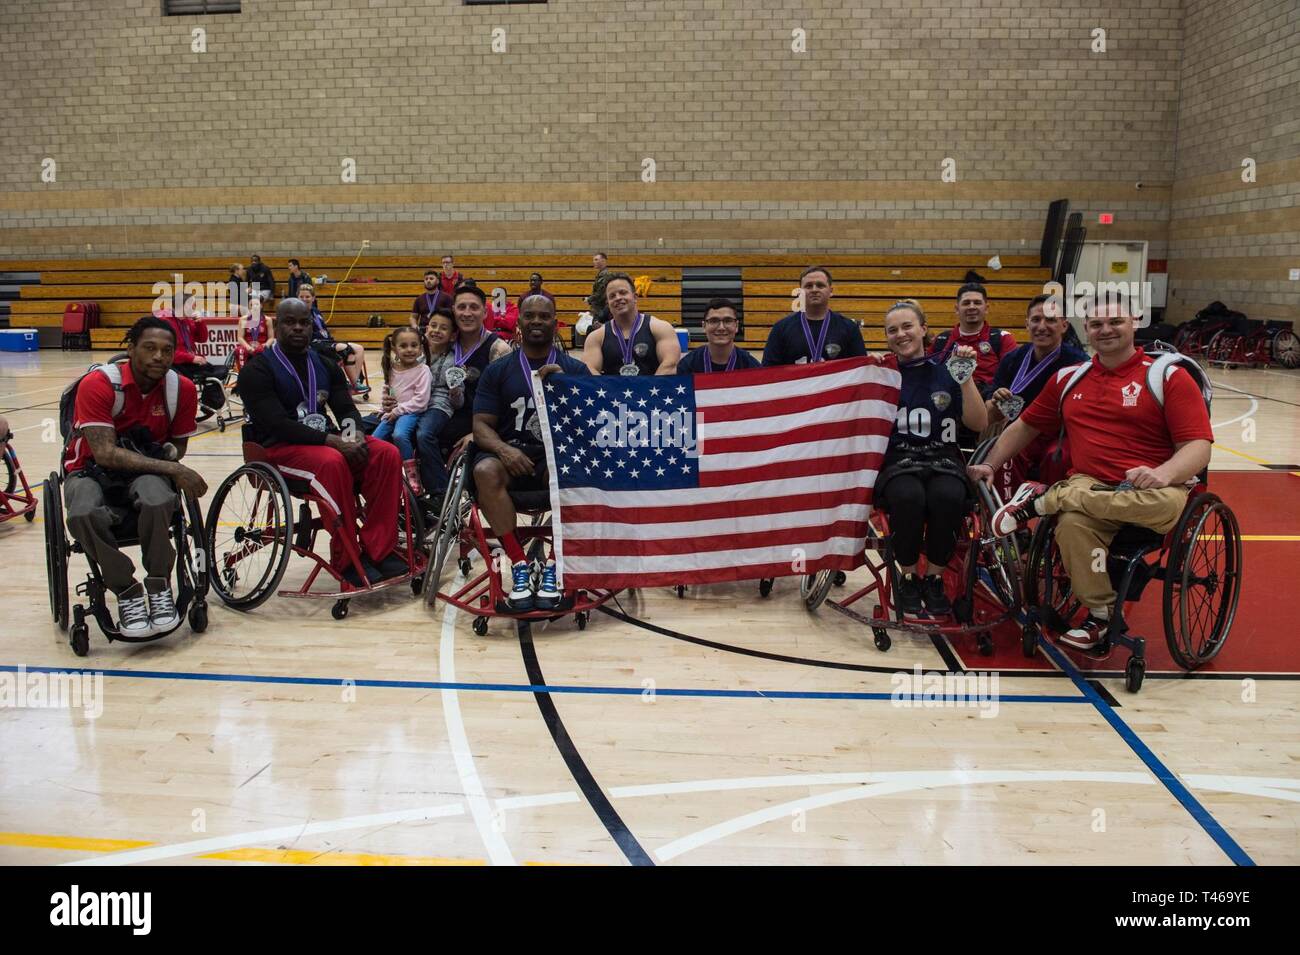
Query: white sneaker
(162, 606)
(133, 613)
(1018, 511)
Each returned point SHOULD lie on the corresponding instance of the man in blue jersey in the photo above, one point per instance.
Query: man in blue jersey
(721, 323)
(816, 333)
(508, 436)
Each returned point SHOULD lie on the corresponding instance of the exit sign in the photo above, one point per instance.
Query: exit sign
(1106, 218)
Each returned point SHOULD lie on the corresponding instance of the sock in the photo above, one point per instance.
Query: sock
(1038, 505)
(1099, 613)
(510, 544)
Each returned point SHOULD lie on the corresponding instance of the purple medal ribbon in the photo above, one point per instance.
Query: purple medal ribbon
(815, 352)
(1026, 374)
(625, 345)
(310, 402)
(462, 356)
(708, 360)
(551, 359)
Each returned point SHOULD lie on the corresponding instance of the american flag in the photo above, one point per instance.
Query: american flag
(704, 478)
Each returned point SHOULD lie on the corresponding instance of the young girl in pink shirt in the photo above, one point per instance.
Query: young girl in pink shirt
(408, 381)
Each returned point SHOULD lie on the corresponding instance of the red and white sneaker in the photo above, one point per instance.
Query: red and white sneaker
(1088, 635)
(411, 468)
(1018, 511)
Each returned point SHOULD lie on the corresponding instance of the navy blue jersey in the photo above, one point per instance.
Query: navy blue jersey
(1011, 363)
(787, 344)
(693, 362)
(929, 406)
(504, 391)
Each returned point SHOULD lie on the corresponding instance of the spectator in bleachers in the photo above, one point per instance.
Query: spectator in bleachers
(349, 354)
(720, 354)
(449, 278)
(237, 288)
(817, 333)
(262, 277)
(991, 344)
(297, 277)
(504, 323)
(596, 303)
(534, 288)
(428, 301)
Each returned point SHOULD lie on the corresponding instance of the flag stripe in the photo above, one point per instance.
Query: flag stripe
(857, 463)
(761, 442)
(750, 409)
(868, 413)
(813, 452)
(681, 564)
(792, 539)
(689, 497)
(736, 509)
(646, 530)
(807, 377)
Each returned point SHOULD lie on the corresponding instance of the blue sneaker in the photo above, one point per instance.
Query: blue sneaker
(548, 593)
(520, 598)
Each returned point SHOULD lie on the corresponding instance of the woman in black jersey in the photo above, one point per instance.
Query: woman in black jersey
(922, 483)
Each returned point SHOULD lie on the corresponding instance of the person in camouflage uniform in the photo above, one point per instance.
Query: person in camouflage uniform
(596, 301)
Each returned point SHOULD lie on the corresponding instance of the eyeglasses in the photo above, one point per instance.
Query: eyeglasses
(716, 322)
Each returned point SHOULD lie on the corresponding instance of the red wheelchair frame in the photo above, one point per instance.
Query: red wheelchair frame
(269, 523)
(983, 575)
(13, 502)
(461, 528)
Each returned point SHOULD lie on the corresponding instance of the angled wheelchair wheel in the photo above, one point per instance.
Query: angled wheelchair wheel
(813, 588)
(1046, 584)
(1202, 581)
(56, 548)
(11, 470)
(998, 560)
(451, 522)
(249, 527)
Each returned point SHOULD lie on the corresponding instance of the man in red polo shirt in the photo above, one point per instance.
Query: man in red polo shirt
(973, 329)
(130, 425)
(1131, 458)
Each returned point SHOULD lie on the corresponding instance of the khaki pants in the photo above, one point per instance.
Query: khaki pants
(1087, 521)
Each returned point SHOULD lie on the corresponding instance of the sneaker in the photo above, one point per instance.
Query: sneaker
(162, 606)
(936, 602)
(1088, 635)
(520, 598)
(907, 595)
(548, 593)
(133, 612)
(1018, 511)
(411, 469)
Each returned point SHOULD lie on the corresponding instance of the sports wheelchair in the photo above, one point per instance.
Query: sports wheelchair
(191, 574)
(1199, 562)
(13, 501)
(462, 530)
(252, 531)
(984, 575)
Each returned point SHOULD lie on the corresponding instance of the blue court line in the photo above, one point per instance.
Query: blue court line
(1171, 782)
(526, 688)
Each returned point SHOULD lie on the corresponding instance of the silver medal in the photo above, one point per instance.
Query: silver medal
(455, 376)
(1011, 407)
(629, 370)
(961, 368)
(535, 427)
(317, 422)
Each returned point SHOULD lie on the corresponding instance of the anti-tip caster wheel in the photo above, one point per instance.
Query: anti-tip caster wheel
(1029, 641)
(339, 610)
(198, 617)
(79, 639)
(480, 625)
(464, 566)
(582, 618)
(417, 584)
(765, 586)
(840, 578)
(883, 643)
(1134, 673)
(984, 643)
(681, 591)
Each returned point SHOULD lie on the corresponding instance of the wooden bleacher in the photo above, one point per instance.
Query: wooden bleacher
(865, 286)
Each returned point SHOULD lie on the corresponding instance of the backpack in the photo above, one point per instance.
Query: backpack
(1158, 372)
(112, 370)
(995, 340)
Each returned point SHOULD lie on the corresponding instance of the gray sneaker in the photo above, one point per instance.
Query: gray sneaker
(133, 612)
(162, 606)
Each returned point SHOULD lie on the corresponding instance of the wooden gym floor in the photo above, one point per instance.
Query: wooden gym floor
(720, 728)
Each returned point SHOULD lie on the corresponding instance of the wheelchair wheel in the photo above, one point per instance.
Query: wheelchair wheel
(250, 525)
(813, 588)
(412, 515)
(1047, 585)
(56, 549)
(765, 586)
(11, 471)
(451, 522)
(1202, 581)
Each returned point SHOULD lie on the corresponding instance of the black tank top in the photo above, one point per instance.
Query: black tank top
(644, 354)
(474, 368)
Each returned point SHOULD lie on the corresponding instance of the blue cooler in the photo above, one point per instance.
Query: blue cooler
(684, 339)
(18, 339)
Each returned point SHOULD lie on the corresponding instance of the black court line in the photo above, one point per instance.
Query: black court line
(1104, 693)
(955, 666)
(596, 798)
(944, 649)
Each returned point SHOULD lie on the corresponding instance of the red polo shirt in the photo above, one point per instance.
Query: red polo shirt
(986, 356)
(94, 408)
(448, 283)
(1112, 421)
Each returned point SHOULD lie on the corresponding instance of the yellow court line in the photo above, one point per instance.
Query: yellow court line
(306, 857)
(77, 843)
(1242, 454)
